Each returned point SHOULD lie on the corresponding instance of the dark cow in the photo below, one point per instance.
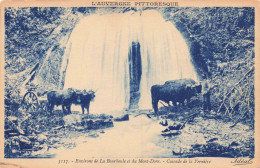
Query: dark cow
(184, 86)
(84, 98)
(186, 81)
(61, 97)
(174, 91)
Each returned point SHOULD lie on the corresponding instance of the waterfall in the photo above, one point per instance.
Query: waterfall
(98, 57)
(165, 55)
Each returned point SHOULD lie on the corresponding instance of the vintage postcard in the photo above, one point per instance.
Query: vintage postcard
(133, 83)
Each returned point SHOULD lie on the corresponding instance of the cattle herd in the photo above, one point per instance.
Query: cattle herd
(175, 91)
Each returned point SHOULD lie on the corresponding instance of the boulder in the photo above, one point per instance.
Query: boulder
(176, 150)
(171, 133)
(175, 127)
(97, 124)
(101, 124)
(212, 140)
(234, 143)
(93, 135)
(164, 123)
(78, 128)
(122, 118)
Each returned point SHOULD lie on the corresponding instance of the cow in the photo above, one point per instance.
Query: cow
(186, 81)
(61, 97)
(185, 86)
(174, 91)
(84, 98)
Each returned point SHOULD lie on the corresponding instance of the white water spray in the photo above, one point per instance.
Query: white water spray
(98, 58)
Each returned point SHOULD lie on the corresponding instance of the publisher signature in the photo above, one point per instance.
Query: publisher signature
(242, 161)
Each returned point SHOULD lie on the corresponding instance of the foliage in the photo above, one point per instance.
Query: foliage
(30, 34)
(222, 46)
(221, 42)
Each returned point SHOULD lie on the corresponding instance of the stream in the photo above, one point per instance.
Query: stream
(134, 138)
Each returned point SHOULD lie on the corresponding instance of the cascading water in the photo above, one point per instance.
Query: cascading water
(165, 55)
(98, 57)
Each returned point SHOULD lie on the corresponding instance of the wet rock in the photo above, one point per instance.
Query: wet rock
(234, 144)
(122, 118)
(197, 146)
(101, 124)
(164, 123)
(176, 150)
(175, 127)
(166, 130)
(87, 123)
(211, 140)
(93, 135)
(104, 117)
(97, 116)
(78, 128)
(171, 133)
(98, 124)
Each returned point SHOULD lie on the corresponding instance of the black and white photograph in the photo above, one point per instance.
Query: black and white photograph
(143, 82)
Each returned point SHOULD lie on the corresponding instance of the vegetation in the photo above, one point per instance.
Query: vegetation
(221, 42)
(222, 45)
